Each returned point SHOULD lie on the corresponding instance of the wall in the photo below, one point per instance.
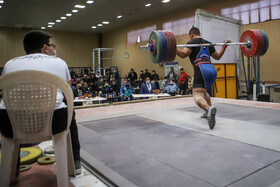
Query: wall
(74, 48)
(140, 59)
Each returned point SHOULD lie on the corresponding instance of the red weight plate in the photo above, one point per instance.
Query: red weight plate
(250, 35)
(168, 46)
(260, 42)
(173, 48)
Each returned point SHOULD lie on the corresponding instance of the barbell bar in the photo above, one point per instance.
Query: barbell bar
(162, 45)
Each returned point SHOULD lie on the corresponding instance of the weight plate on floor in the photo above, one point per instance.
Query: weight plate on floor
(266, 42)
(24, 168)
(163, 40)
(158, 54)
(29, 155)
(46, 160)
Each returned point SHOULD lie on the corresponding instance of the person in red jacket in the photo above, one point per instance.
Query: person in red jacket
(183, 76)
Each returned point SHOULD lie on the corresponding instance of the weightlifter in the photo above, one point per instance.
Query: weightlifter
(204, 72)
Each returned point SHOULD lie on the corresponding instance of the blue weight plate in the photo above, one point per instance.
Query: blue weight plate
(164, 49)
(266, 42)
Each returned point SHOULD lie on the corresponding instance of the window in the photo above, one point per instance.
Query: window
(260, 11)
(143, 34)
(179, 27)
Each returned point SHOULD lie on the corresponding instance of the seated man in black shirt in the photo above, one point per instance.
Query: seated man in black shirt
(183, 86)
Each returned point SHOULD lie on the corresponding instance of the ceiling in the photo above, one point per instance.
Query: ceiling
(34, 14)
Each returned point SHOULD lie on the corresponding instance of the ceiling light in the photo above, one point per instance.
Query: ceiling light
(148, 5)
(74, 11)
(79, 6)
(1, 2)
(120, 16)
(90, 2)
(0, 6)
(51, 23)
(58, 20)
(99, 25)
(94, 27)
(68, 15)
(165, 1)
(63, 18)
(105, 22)
(43, 27)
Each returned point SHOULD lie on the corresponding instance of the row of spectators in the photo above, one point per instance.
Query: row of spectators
(109, 85)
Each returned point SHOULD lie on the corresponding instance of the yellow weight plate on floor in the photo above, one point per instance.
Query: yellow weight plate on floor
(29, 155)
(46, 160)
(24, 168)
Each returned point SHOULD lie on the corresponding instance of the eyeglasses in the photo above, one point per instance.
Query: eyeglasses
(51, 45)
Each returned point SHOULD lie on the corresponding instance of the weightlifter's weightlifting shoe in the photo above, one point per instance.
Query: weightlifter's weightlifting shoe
(78, 169)
(211, 117)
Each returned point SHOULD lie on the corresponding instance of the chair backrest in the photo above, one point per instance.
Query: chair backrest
(30, 98)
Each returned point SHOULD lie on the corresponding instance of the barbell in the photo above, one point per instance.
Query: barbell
(162, 45)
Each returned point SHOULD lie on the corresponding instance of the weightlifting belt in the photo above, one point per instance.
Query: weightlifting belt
(202, 61)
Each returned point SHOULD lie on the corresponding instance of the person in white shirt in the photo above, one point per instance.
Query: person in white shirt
(41, 55)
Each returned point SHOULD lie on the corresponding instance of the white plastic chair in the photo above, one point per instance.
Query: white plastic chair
(30, 98)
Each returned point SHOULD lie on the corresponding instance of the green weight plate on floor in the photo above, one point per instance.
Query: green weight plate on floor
(29, 155)
(46, 160)
(24, 168)
(158, 54)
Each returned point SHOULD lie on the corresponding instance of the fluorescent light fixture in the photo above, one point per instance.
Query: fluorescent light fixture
(148, 5)
(79, 6)
(63, 17)
(43, 27)
(105, 22)
(58, 20)
(0, 6)
(90, 2)
(75, 11)
(99, 25)
(94, 27)
(165, 1)
(1, 2)
(68, 15)
(51, 23)
(120, 16)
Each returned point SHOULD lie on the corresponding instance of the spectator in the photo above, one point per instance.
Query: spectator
(132, 75)
(155, 82)
(154, 75)
(172, 75)
(142, 75)
(147, 74)
(78, 91)
(122, 90)
(74, 81)
(86, 78)
(172, 88)
(100, 83)
(183, 76)
(93, 86)
(98, 75)
(106, 89)
(86, 88)
(116, 75)
(147, 87)
(136, 86)
(127, 93)
(94, 79)
(115, 87)
(41, 56)
(107, 75)
(183, 86)
(164, 84)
